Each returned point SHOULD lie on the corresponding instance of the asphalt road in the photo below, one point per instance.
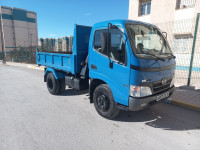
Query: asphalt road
(32, 119)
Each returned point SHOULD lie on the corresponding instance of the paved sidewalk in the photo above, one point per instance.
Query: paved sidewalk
(183, 96)
(32, 66)
(186, 97)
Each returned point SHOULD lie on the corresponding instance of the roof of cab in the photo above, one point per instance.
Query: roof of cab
(120, 22)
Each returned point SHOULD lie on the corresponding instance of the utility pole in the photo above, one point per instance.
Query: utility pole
(2, 41)
(193, 48)
(31, 48)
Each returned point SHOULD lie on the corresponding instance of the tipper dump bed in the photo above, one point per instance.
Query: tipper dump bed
(68, 62)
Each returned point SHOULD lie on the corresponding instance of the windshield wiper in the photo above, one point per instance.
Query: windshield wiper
(156, 56)
(171, 56)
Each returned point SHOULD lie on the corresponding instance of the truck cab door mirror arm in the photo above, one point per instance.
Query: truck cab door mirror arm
(109, 44)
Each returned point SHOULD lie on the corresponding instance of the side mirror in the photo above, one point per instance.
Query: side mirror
(114, 27)
(165, 34)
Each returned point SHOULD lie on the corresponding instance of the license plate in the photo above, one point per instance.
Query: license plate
(162, 96)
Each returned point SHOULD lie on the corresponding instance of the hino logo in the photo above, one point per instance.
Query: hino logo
(164, 81)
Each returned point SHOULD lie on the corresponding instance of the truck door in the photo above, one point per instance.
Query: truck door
(111, 65)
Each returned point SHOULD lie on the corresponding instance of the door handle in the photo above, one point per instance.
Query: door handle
(94, 67)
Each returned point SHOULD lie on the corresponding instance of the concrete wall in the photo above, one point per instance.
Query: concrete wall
(19, 28)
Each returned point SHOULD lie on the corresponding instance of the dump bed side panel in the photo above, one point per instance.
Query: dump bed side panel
(64, 62)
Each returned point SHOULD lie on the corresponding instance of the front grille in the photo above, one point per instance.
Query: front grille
(159, 87)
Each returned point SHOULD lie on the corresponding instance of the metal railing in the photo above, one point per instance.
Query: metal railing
(184, 39)
(185, 4)
(20, 54)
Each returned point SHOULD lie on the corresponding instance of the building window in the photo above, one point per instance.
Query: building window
(185, 4)
(182, 43)
(145, 8)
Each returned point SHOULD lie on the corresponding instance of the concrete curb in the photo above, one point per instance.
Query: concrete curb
(186, 105)
(182, 104)
(35, 67)
(31, 66)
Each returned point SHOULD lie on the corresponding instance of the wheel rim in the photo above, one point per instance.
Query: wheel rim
(50, 84)
(103, 102)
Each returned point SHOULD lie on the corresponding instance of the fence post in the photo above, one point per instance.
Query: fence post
(193, 48)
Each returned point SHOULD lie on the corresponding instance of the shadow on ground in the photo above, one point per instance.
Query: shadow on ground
(73, 92)
(161, 115)
(165, 116)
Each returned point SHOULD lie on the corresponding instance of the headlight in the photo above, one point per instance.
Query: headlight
(139, 91)
(172, 82)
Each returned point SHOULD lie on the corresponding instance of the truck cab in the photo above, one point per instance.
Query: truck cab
(127, 65)
(134, 59)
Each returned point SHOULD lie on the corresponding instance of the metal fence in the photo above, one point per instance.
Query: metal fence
(20, 54)
(184, 39)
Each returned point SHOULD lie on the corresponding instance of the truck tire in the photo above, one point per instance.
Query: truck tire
(53, 85)
(62, 85)
(104, 102)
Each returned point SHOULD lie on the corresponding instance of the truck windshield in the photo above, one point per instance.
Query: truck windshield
(148, 42)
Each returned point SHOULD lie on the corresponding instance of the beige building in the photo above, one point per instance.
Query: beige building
(63, 44)
(18, 28)
(176, 17)
(157, 11)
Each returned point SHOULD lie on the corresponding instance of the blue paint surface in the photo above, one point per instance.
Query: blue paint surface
(186, 68)
(31, 20)
(6, 16)
(19, 15)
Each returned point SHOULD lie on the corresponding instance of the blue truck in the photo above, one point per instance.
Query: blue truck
(125, 64)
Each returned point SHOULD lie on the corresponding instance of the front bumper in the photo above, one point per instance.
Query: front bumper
(136, 104)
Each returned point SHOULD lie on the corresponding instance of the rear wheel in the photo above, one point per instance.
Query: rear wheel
(53, 85)
(104, 102)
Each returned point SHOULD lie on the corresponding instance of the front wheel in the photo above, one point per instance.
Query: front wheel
(104, 102)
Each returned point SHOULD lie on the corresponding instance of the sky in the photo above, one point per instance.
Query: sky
(56, 18)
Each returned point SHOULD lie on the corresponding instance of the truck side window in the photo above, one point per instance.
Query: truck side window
(97, 40)
(118, 50)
